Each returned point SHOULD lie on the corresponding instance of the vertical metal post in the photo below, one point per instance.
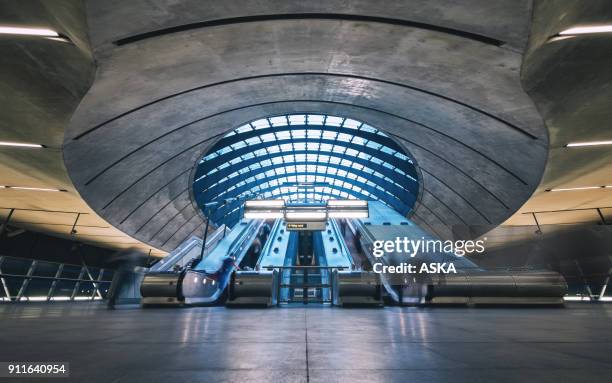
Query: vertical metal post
(332, 284)
(537, 223)
(601, 216)
(4, 285)
(279, 281)
(6, 221)
(77, 284)
(305, 288)
(148, 258)
(26, 281)
(58, 274)
(97, 285)
(93, 283)
(584, 281)
(606, 282)
(204, 237)
(73, 229)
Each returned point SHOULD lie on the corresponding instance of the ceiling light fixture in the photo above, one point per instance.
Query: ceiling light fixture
(265, 203)
(589, 143)
(263, 215)
(306, 215)
(28, 31)
(576, 188)
(560, 38)
(60, 39)
(585, 30)
(31, 188)
(20, 144)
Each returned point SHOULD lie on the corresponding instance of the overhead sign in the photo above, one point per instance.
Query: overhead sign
(305, 226)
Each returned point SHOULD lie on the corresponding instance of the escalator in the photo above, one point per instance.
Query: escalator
(470, 285)
(264, 263)
(188, 278)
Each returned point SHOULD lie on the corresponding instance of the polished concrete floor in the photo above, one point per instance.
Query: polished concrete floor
(315, 344)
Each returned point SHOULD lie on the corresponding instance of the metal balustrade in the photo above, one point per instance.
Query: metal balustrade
(26, 280)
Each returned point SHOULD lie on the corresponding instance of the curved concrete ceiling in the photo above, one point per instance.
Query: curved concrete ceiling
(41, 83)
(569, 80)
(442, 81)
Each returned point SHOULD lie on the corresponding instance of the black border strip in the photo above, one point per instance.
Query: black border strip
(309, 16)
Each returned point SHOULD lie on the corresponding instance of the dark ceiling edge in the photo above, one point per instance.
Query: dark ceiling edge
(310, 16)
(478, 110)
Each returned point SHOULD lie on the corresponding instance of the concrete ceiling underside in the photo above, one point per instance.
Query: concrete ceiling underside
(455, 82)
(569, 80)
(41, 83)
(435, 80)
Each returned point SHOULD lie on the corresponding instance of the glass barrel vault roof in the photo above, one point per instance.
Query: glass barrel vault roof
(303, 158)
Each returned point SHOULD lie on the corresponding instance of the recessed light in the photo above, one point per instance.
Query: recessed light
(31, 188)
(589, 143)
(60, 39)
(20, 144)
(28, 31)
(576, 188)
(588, 29)
(560, 38)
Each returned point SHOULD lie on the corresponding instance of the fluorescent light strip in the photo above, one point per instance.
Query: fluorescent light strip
(305, 215)
(347, 202)
(31, 188)
(587, 30)
(560, 38)
(576, 298)
(265, 203)
(348, 214)
(20, 144)
(605, 299)
(577, 188)
(28, 31)
(591, 143)
(262, 215)
(60, 39)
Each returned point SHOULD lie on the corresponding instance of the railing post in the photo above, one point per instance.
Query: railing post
(97, 285)
(305, 288)
(279, 282)
(58, 274)
(4, 285)
(77, 284)
(26, 280)
(584, 280)
(93, 283)
(602, 293)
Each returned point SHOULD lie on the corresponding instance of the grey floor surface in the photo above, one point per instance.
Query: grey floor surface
(315, 344)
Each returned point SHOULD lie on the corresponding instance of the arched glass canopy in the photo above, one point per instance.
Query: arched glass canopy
(303, 158)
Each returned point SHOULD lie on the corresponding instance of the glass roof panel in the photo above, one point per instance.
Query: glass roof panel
(274, 155)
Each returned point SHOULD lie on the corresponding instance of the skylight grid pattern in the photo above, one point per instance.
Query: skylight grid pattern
(284, 156)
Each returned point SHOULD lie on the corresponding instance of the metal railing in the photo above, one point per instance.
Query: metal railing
(58, 287)
(305, 285)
